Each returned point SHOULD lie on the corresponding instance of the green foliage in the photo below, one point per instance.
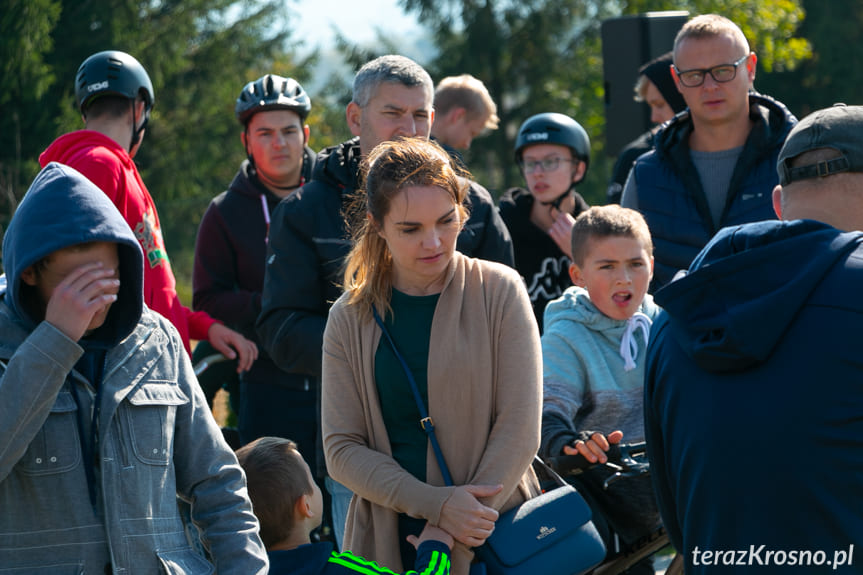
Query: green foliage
(25, 39)
(769, 25)
(833, 73)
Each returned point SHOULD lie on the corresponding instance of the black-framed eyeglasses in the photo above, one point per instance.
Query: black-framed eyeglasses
(722, 73)
(545, 165)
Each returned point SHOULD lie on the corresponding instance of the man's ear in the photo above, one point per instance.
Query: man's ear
(750, 67)
(575, 275)
(306, 133)
(354, 116)
(28, 276)
(777, 201)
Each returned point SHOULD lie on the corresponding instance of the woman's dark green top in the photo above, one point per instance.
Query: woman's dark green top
(410, 327)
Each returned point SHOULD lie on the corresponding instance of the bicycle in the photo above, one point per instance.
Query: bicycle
(627, 460)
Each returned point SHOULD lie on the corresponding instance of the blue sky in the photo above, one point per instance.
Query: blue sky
(357, 19)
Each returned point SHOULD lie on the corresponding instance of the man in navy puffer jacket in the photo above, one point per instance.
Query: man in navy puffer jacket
(715, 164)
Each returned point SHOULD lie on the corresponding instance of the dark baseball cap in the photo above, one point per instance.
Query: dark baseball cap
(840, 128)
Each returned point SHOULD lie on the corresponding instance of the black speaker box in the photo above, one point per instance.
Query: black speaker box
(627, 43)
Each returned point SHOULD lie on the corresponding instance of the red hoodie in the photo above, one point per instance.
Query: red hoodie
(110, 167)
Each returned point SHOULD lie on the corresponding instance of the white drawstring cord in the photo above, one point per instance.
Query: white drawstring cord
(629, 344)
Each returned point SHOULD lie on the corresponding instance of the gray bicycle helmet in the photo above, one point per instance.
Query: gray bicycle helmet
(272, 92)
(553, 128)
(112, 73)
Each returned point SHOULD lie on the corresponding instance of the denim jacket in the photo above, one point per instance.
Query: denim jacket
(158, 441)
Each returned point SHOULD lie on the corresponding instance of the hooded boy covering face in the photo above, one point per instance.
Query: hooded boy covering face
(102, 425)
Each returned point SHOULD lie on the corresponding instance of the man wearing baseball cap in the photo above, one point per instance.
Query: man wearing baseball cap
(753, 394)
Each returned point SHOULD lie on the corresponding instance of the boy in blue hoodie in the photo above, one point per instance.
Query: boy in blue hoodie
(102, 424)
(593, 351)
(289, 505)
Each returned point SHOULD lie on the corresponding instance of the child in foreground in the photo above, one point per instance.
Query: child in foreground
(593, 352)
(289, 506)
(102, 422)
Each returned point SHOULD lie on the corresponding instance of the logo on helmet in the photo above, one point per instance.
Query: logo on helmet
(537, 136)
(98, 86)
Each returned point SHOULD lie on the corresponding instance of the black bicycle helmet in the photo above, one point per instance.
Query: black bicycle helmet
(112, 72)
(553, 128)
(272, 92)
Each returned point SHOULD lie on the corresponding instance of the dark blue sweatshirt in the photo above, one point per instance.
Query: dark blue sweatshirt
(754, 402)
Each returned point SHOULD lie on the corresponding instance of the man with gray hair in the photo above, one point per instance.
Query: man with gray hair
(753, 378)
(309, 239)
(713, 165)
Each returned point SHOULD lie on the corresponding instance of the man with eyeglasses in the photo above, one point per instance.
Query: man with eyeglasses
(714, 165)
(553, 152)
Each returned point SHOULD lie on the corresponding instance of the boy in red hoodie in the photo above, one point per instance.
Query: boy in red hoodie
(115, 96)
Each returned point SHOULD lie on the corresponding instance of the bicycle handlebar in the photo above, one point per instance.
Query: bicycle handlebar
(202, 365)
(626, 459)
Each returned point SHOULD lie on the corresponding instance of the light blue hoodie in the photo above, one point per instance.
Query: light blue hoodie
(593, 380)
(585, 380)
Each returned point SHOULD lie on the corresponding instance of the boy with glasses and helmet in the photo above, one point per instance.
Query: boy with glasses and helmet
(714, 165)
(553, 152)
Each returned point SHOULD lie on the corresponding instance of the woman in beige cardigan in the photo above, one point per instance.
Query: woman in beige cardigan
(467, 330)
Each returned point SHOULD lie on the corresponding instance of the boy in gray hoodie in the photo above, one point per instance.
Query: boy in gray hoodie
(593, 350)
(102, 423)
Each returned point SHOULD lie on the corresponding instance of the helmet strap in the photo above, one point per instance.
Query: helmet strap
(555, 203)
(137, 133)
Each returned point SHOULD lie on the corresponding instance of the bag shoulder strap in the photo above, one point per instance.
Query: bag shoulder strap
(426, 422)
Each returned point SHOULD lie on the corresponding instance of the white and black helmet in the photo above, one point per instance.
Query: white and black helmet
(553, 128)
(272, 92)
(112, 73)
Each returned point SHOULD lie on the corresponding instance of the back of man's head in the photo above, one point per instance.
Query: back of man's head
(467, 92)
(820, 168)
(709, 26)
(276, 479)
(391, 68)
(107, 80)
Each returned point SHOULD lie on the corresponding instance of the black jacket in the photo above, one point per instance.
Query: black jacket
(230, 254)
(308, 246)
(542, 265)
